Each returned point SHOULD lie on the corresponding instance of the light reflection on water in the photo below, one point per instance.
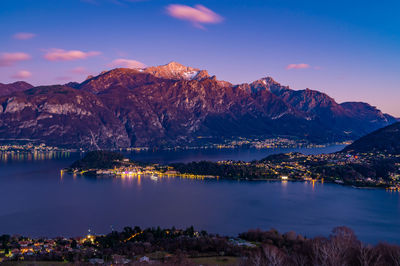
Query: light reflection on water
(229, 207)
(168, 156)
(40, 202)
(6, 156)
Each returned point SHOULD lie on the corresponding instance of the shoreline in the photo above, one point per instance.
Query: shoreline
(202, 177)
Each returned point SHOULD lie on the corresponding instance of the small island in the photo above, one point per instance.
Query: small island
(113, 164)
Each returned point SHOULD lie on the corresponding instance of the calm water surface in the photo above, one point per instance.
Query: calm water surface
(37, 201)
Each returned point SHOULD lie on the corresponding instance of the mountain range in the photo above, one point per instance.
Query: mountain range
(172, 105)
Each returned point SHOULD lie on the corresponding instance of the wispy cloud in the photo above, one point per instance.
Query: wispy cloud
(23, 74)
(79, 70)
(129, 63)
(118, 2)
(89, 1)
(24, 35)
(297, 66)
(9, 59)
(64, 55)
(197, 15)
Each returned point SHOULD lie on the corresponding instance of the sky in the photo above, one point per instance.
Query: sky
(347, 49)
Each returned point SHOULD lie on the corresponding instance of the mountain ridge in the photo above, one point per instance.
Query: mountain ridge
(174, 105)
(9, 88)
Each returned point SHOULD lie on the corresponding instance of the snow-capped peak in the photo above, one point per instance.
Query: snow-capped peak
(174, 70)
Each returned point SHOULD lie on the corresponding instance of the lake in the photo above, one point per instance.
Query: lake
(37, 201)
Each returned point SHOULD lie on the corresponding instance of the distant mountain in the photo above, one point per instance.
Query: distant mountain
(385, 140)
(74, 85)
(6, 89)
(60, 115)
(352, 118)
(173, 105)
(160, 111)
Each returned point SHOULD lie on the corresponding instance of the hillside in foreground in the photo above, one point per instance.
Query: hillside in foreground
(171, 246)
(384, 140)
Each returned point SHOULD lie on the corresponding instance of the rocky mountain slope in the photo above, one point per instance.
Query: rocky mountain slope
(59, 115)
(353, 118)
(6, 89)
(174, 104)
(171, 111)
(385, 140)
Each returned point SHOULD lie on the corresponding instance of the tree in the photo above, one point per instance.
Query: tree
(273, 256)
(74, 244)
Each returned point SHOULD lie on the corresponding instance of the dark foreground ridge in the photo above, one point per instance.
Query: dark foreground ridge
(385, 140)
(136, 246)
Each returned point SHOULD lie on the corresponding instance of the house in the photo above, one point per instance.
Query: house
(23, 243)
(118, 259)
(144, 259)
(15, 252)
(96, 261)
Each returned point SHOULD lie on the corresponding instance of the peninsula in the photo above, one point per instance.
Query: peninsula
(358, 165)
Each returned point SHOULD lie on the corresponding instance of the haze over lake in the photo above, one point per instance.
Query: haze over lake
(37, 201)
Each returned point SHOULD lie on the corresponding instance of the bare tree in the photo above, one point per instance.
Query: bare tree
(368, 256)
(255, 259)
(273, 256)
(299, 259)
(390, 254)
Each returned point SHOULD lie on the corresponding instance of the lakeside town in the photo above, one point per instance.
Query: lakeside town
(260, 143)
(171, 246)
(132, 245)
(357, 169)
(111, 164)
(361, 170)
(31, 147)
(240, 142)
(32, 152)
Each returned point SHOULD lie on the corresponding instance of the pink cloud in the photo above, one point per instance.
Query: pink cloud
(23, 74)
(63, 78)
(24, 35)
(63, 55)
(9, 59)
(297, 66)
(79, 70)
(197, 15)
(129, 63)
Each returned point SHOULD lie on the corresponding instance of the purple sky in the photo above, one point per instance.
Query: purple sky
(348, 50)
